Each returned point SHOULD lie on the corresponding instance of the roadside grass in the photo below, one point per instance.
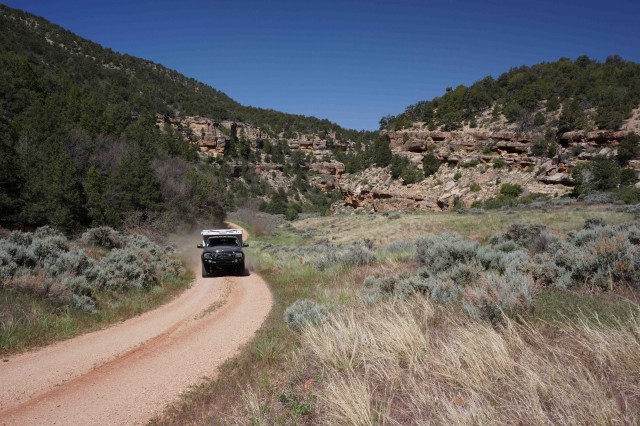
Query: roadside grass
(279, 378)
(259, 364)
(28, 321)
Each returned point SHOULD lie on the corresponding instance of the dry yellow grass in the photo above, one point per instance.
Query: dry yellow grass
(414, 363)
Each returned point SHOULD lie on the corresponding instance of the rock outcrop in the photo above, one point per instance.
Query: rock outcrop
(212, 137)
(475, 163)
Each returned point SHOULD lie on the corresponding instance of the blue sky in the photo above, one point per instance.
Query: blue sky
(349, 61)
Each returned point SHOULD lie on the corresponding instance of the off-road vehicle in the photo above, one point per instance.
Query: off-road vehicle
(222, 251)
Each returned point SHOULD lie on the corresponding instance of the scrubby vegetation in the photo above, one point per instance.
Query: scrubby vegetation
(303, 313)
(47, 279)
(487, 281)
(497, 280)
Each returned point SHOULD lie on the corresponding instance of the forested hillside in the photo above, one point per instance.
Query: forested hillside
(585, 92)
(78, 141)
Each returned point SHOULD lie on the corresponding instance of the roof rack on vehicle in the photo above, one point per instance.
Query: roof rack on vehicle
(221, 232)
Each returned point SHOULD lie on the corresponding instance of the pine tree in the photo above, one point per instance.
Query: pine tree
(11, 182)
(381, 153)
(94, 188)
(53, 193)
(430, 164)
(134, 188)
(571, 118)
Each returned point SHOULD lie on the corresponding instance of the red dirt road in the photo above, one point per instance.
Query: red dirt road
(128, 372)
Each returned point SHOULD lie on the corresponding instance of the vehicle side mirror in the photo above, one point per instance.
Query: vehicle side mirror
(245, 245)
(200, 246)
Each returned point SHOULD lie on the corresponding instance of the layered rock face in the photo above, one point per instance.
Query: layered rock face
(474, 164)
(211, 136)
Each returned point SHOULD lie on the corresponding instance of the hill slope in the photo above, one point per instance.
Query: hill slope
(590, 95)
(79, 143)
(544, 131)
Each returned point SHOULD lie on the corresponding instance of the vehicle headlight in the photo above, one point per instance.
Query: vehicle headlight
(239, 254)
(206, 256)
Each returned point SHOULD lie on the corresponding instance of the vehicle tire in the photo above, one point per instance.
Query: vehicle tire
(205, 274)
(241, 270)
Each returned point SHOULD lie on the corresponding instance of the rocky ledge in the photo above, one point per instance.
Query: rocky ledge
(474, 164)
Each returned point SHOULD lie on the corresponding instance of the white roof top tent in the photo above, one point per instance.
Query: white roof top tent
(207, 233)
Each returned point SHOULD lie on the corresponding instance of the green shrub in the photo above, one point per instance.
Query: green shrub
(499, 202)
(600, 174)
(353, 255)
(511, 190)
(103, 236)
(441, 252)
(628, 177)
(303, 313)
(430, 164)
(629, 148)
(540, 147)
(629, 194)
(411, 174)
(475, 187)
(499, 163)
(124, 269)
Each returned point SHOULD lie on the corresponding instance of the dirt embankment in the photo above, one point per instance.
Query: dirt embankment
(127, 373)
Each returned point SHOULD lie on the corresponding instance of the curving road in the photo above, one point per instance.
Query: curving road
(126, 373)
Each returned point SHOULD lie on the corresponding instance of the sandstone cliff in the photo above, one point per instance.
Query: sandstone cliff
(211, 136)
(475, 163)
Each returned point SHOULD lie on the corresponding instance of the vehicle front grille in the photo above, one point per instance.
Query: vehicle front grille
(222, 256)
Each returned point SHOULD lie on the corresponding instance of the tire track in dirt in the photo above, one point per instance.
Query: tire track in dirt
(127, 373)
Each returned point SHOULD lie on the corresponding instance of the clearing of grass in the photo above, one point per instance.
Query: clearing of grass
(378, 321)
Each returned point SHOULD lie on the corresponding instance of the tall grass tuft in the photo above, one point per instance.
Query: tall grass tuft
(402, 362)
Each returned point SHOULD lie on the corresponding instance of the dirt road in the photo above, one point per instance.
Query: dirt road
(127, 373)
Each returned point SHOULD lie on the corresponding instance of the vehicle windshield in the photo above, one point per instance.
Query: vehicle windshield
(222, 241)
